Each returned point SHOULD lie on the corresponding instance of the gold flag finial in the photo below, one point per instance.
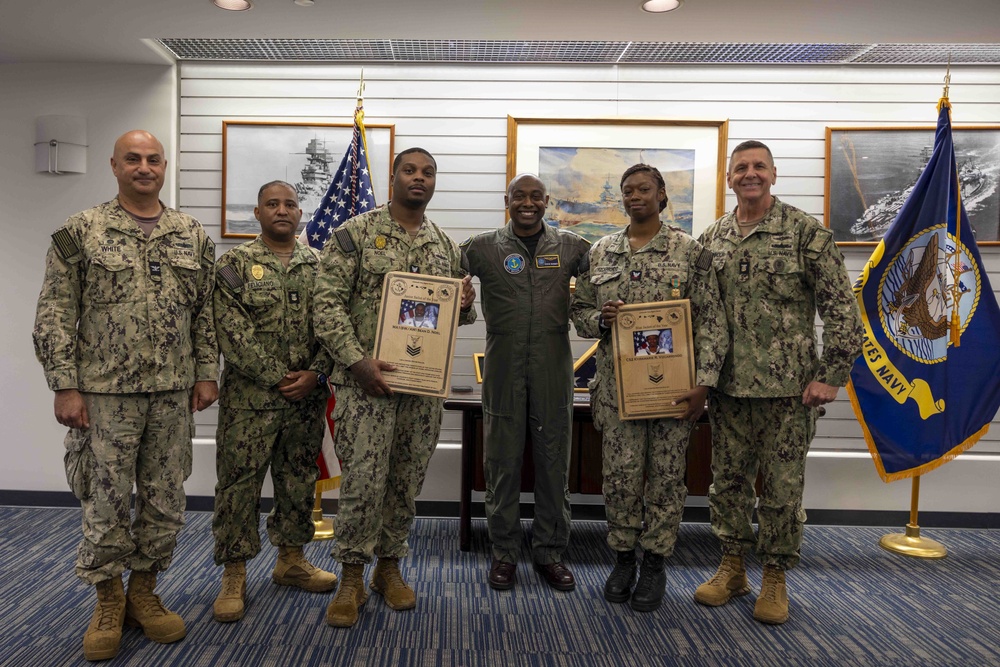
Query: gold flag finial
(947, 78)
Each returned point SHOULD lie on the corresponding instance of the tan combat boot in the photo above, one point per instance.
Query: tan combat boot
(772, 605)
(729, 581)
(388, 582)
(229, 604)
(343, 610)
(292, 569)
(143, 609)
(104, 635)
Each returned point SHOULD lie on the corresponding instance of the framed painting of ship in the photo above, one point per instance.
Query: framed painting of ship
(304, 154)
(581, 162)
(870, 172)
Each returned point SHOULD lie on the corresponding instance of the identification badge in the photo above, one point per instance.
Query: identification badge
(154, 270)
(547, 261)
(257, 271)
(380, 242)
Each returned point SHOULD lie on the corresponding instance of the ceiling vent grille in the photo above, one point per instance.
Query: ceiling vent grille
(515, 51)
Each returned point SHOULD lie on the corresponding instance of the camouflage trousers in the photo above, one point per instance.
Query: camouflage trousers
(645, 463)
(248, 442)
(503, 453)
(134, 439)
(385, 445)
(770, 435)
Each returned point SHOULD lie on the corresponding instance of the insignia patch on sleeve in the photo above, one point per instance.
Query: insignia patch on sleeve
(208, 253)
(65, 244)
(231, 277)
(344, 240)
(820, 239)
(704, 262)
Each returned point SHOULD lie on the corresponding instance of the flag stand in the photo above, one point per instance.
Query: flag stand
(324, 527)
(910, 543)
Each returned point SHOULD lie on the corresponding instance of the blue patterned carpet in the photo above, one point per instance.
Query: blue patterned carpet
(852, 604)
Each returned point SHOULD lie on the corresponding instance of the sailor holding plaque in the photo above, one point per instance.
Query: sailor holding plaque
(645, 460)
(384, 439)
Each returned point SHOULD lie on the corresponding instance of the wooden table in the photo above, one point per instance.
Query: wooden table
(585, 456)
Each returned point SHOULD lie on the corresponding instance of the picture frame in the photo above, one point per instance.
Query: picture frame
(304, 154)
(584, 368)
(479, 362)
(870, 170)
(581, 161)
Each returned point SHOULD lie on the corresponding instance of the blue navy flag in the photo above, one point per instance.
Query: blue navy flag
(350, 192)
(926, 386)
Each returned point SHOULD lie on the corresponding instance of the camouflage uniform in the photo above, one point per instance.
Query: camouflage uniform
(654, 449)
(528, 378)
(127, 320)
(384, 443)
(772, 282)
(262, 316)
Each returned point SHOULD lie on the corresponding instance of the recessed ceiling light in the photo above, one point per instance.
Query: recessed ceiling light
(305, 3)
(657, 6)
(233, 5)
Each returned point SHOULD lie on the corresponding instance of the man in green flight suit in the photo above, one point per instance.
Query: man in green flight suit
(272, 401)
(525, 270)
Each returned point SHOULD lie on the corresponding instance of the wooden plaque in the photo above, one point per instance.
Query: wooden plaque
(654, 358)
(416, 331)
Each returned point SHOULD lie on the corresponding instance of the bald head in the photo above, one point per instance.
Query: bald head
(140, 165)
(529, 180)
(133, 137)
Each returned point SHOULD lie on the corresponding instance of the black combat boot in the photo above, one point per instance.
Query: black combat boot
(619, 585)
(652, 582)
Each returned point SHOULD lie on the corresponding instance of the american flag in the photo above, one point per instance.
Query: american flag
(350, 192)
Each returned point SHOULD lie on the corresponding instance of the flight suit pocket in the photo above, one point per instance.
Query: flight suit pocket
(111, 279)
(79, 463)
(784, 279)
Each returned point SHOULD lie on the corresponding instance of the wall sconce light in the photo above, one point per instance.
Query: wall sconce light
(61, 144)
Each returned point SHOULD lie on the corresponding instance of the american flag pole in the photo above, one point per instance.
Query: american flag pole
(350, 194)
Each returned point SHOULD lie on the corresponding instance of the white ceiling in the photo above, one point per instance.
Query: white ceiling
(120, 30)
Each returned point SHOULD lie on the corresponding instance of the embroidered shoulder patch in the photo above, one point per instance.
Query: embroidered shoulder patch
(231, 277)
(208, 254)
(65, 244)
(704, 262)
(344, 240)
(820, 239)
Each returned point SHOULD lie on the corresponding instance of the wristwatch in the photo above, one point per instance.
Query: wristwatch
(321, 379)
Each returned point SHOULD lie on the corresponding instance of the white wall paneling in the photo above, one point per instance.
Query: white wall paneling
(459, 112)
